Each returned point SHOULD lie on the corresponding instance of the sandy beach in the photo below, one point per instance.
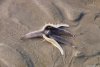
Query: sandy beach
(18, 17)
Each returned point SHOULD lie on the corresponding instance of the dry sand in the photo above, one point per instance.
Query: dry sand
(18, 17)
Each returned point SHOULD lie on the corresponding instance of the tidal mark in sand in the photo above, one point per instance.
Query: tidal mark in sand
(80, 17)
(1, 1)
(74, 14)
(26, 58)
(97, 16)
(58, 13)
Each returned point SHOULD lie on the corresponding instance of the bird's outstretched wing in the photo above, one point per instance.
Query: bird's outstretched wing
(59, 39)
(34, 34)
(63, 32)
(63, 26)
(54, 43)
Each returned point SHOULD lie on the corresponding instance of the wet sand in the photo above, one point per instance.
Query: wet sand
(18, 17)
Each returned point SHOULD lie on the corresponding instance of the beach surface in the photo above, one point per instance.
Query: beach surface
(18, 17)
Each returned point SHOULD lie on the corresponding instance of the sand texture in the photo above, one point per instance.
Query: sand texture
(18, 17)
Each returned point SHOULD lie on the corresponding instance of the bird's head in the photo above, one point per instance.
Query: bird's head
(49, 27)
(47, 30)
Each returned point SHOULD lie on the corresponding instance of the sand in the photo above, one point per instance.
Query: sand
(18, 17)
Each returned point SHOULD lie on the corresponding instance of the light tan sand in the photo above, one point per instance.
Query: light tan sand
(18, 17)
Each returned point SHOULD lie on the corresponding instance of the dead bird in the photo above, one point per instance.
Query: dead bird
(51, 33)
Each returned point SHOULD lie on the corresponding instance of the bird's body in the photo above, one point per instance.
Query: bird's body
(51, 33)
